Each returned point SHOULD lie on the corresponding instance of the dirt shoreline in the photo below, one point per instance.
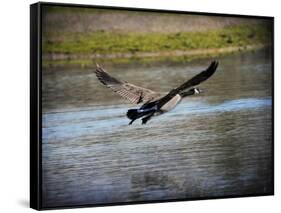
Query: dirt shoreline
(188, 53)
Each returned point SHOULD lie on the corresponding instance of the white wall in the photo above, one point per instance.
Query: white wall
(14, 113)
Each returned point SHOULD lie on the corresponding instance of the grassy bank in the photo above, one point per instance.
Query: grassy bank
(100, 44)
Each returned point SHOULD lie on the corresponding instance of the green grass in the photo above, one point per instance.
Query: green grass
(107, 42)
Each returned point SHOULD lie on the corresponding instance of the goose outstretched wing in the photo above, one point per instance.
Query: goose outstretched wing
(131, 92)
(202, 76)
(197, 79)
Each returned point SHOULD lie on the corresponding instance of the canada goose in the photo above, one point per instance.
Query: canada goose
(154, 103)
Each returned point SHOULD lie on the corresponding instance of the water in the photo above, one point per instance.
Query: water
(216, 144)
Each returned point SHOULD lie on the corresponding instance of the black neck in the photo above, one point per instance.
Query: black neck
(187, 93)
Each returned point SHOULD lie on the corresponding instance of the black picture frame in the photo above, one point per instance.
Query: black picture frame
(36, 103)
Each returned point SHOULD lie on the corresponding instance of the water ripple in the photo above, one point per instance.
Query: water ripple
(98, 120)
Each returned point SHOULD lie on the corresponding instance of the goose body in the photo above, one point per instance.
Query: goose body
(171, 104)
(154, 103)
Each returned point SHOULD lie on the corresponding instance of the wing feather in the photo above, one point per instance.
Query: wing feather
(131, 92)
(202, 76)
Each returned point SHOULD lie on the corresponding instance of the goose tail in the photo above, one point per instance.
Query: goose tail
(134, 114)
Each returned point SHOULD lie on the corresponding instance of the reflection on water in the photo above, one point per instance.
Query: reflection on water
(215, 144)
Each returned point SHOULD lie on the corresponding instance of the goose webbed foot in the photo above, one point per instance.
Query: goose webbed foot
(131, 122)
(145, 119)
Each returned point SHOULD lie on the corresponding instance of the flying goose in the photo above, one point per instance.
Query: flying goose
(154, 103)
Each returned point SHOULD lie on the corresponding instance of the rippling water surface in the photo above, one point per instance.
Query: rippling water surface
(216, 144)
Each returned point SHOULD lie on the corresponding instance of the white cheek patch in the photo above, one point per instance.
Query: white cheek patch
(196, 91)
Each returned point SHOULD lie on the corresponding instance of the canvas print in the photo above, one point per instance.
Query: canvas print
(153, 106)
